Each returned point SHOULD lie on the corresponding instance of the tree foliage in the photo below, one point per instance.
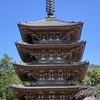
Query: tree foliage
(93, 76)
(6, 74)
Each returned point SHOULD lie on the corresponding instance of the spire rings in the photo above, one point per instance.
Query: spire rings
(50, 7)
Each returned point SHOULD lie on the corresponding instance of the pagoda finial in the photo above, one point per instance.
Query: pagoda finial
(50, 7)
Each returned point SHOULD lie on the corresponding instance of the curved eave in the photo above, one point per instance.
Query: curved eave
(44, 46)
(37, 28)
(25, 49)
(23, 70)
(57, 27)
(62, 65)
(49, 22)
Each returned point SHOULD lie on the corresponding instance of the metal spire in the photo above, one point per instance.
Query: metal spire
(50, 7)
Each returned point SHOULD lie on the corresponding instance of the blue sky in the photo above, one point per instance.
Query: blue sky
(87, 11)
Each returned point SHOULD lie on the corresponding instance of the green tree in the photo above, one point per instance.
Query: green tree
(6, 78)
(93, 76)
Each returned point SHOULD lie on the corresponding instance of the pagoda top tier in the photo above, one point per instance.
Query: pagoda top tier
(50, 28)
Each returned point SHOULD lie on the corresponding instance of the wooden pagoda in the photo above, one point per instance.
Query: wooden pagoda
(51, 52)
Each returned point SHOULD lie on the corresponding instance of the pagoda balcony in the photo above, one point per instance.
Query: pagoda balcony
(54, 62)
(51, 42)
(51, 82)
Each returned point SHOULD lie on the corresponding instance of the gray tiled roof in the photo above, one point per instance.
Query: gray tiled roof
(50, 22)
(45, 87)
(51, 45)
(73, 64)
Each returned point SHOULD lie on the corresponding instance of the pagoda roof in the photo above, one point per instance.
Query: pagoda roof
(52, 21)
(49, 25)
(25, 49)
(28, 65)
(23, 70)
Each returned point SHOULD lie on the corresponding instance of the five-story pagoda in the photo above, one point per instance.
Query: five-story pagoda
(51, 53)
